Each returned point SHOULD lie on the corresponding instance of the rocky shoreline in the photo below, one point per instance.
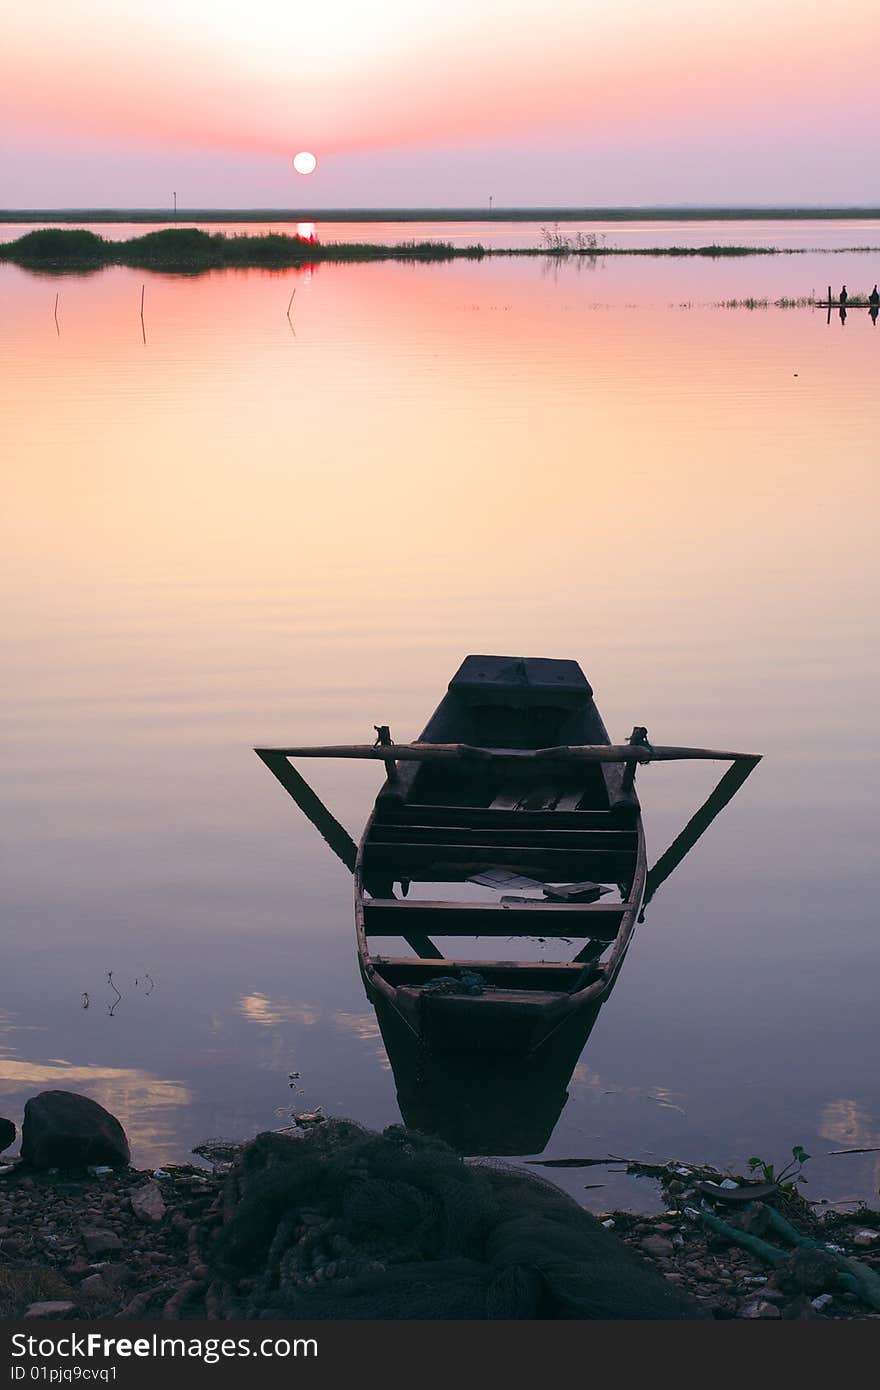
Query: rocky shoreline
(112, 1241)
(736, 1282)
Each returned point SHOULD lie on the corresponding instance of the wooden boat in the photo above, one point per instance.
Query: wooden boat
(442, 822)
(512, 817)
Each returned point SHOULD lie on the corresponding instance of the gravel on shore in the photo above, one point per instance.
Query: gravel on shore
(129, 1243)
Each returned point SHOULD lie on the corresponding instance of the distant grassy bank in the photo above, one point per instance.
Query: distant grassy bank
(189, 250)
(495, 214)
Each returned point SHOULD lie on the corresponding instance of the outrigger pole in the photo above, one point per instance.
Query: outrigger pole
(466, 752)
(311, 805)
(698, 824)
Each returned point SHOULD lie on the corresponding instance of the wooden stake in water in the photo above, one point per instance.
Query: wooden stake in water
(143, 325)
(57, 324)
(290, 304)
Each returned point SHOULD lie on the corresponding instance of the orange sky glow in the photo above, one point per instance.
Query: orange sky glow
(488, 94)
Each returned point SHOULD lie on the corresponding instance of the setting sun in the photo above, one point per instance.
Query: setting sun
(304, 162)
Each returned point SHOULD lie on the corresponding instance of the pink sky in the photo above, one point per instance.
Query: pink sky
(584, 102)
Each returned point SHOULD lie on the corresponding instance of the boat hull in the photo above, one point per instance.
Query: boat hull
(453, 825)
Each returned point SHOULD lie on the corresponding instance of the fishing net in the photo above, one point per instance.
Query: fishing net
(342, 1223)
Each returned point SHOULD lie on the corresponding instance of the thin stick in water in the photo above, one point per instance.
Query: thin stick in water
(290, 304)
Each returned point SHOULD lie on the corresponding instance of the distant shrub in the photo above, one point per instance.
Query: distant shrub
(172, 248)
(60, 246)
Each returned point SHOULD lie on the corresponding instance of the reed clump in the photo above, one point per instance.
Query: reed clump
(52, 247)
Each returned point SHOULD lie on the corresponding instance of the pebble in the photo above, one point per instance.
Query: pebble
(759, 1308)
(822, 1301)
(94, 1287)
(658, 1247)
(49, 1310)
(865, 1237)
(101, 1242)
(799, 1310)
(147, 1203)
(774, 1295)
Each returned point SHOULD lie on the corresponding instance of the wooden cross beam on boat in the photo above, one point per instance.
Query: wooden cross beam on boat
(465, 752)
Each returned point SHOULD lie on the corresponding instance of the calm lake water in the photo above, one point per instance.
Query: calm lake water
(248, 531)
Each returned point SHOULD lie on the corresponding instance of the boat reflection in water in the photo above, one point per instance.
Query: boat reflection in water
(484, 1103)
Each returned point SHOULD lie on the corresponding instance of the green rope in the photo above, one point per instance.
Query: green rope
(855, 1277)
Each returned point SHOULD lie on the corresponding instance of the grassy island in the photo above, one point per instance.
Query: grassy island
(190, 250)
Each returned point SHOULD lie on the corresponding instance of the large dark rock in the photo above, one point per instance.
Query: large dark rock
(64, 1130)
(7, 1133)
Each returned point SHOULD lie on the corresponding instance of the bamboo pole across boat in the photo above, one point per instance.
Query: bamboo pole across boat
(466, 752)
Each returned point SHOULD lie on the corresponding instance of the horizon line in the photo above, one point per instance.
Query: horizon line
(452, 213)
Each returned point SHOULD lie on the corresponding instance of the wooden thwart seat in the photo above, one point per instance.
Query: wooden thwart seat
(476, 817)
(513, 975)
(396, 917)
(613, 838)
(451, 863)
